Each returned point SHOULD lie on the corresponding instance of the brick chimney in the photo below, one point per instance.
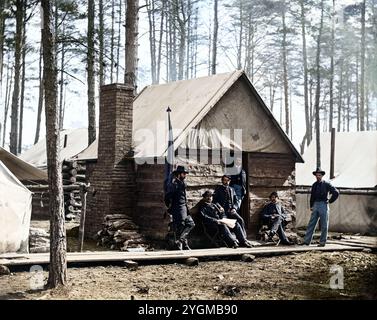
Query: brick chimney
(113, 178)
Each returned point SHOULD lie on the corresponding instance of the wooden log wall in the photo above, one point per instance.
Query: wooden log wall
(40, 202)
(73, 173)
(150, 207)
(267, 173)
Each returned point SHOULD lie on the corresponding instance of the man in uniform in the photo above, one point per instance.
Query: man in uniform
(177, 202)
(274, 216)
(238, 182)
(225, 197)
(319, 205)
(212, 214)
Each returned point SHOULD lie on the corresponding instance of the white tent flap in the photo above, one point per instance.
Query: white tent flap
(15, 213)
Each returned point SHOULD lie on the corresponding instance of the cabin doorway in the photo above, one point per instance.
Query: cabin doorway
(245, 206)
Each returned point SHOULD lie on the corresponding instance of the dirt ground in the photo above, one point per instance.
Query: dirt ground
(297, 276)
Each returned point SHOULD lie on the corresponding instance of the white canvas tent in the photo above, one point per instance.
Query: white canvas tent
(355, 175)
(72, 141)
(21, 169)
(15, 213)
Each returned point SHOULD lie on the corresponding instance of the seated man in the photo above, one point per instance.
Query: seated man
(274, 216)
(226, 197)
(212, 214)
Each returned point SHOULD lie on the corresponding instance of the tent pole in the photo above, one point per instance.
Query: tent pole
(332, 154)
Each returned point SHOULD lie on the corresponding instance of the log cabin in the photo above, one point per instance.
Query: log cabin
(213, 118)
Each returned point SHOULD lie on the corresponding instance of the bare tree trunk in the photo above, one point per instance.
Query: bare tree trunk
(215, 35)
(305, 65)
(188, 37)
(332, 67)
(362, 73)
(167, 43)
(91, 75)
(348, 102)
(23, 76)
(318, 90)
(181, 21)
(285, 71)
(173, 50)
(58, 244)
(120, 15)
(61, 84)
(367, 107)
(132, 20)
(112, 43)
(101, 31)
(8, 91)
(195, 54)
(41, 95)
(273, 87)
(311, 105)
(17, 74)
(152, 39)
(249, 45)
(340, 98)
(209, 47)
(160, 42)
(2, 40)
(239, 51)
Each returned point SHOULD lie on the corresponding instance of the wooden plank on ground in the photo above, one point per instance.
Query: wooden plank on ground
(354, 243)
(115, 256)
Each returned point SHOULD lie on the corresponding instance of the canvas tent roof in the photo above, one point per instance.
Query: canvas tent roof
(15, 213)
(190, 101)
(21, 169)
(77, 140)
(355, 160)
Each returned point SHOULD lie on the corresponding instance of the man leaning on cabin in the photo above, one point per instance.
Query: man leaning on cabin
(238, 182)
(319, 205)
(177, 203)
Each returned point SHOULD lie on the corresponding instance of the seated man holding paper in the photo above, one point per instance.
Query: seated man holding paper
(213, 215)
(225, 196)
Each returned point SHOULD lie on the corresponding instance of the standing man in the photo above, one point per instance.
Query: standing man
(176, 200)
(319, 205)
(225, 196)
(212, 215)
(238, 182)
(274, 216)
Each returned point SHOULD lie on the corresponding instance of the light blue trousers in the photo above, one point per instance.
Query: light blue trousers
(321, 212)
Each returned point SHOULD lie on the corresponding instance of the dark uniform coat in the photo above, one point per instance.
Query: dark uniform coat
(225, 196)
(178, 200)
(320, 191)
(273, 209)
(210, 213)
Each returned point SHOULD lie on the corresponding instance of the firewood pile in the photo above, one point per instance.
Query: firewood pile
(119, 232)
(73, 174)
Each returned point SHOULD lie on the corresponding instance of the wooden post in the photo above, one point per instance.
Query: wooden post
(65, 141)
(83, 193)
(332, 154)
